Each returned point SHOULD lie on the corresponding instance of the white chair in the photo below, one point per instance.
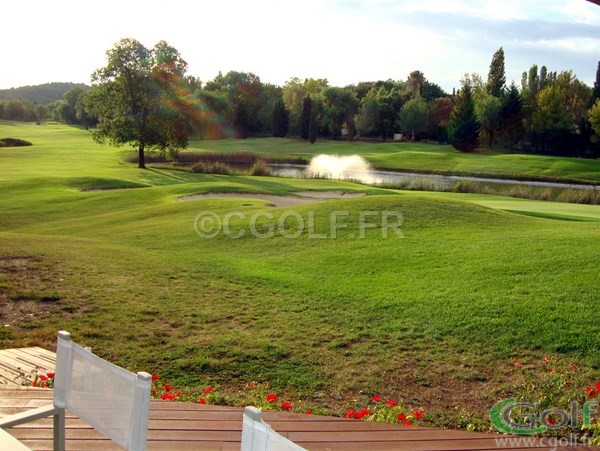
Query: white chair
(114, 401)
(259, 436)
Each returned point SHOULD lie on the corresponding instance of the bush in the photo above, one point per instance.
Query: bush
(260, 168)
(580, 196)
(212, 168)
(14, 142)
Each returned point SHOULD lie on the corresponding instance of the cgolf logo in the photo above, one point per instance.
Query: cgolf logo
(526, 418)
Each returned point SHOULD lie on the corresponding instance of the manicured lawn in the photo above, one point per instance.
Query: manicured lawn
(434, 318)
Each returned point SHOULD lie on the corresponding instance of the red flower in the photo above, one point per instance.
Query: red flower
(202, 401)
(208, 389)
(250, 386)
(350, 413)
(154, 377)
(550, 421)
(34, 384)
(51, 375)
(153, 392)
(407, 423)
(286, 405)
(392, 403)
(418, 414)
(308, 412)
(271, 398)
(598, 386)
(591, 392)
(376, 398)
(168, 397)
(401, 417)
(177, 394)
(42, 377)
(167, 387)
(361, 414)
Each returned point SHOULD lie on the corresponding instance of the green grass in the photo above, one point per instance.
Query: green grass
(418, 157)
(434, 318)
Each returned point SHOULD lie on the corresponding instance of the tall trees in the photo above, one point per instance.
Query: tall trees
(305, 117)
(377, 113)
(312, 128)
(294, 93)
(511, 117)
(596, 91)
(551, 120)
(416, 80)
(437, 121)
(244, 92)
(561, 108)
(594, 118)
(340, 107)
(487, 111)
(281, 119)
(496, 75)
(133, 96)
(413, 116)
(462, 126)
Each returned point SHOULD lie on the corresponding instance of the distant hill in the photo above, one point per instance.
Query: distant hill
(46, 93)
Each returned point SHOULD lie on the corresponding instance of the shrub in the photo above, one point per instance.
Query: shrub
(212, 168)
(14, 142)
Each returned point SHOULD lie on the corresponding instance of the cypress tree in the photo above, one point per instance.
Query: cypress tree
(305, 117)
(281, 119)
(463, 127)
(312, 129)
(496, 75)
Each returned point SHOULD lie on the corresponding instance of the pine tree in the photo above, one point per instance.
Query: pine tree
(281, 119)
(305, 116)
(496, 75)
(463, 127)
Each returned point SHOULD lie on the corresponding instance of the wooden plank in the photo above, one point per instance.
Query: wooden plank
(30, 357)
(24, 360)
(409, 446)
(74, 445)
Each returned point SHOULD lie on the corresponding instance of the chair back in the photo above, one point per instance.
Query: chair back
(113, 400)
(259, 436)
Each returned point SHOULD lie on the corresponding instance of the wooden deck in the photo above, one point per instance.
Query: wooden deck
(182, 426)
(25, 360)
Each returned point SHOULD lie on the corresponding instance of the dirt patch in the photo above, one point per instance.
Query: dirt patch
(29, 290)
(300, 198)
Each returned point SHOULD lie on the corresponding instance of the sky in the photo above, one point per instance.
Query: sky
(344, 41)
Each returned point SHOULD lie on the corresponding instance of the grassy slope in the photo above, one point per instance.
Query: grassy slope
(425, 318)
(424, 157)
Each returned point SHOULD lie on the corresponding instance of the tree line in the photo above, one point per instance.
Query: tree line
(36, 103)
(145, 97)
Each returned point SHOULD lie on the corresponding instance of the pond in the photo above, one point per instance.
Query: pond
(356, 168)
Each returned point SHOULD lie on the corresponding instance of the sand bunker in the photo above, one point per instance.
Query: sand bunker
(300, 198)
